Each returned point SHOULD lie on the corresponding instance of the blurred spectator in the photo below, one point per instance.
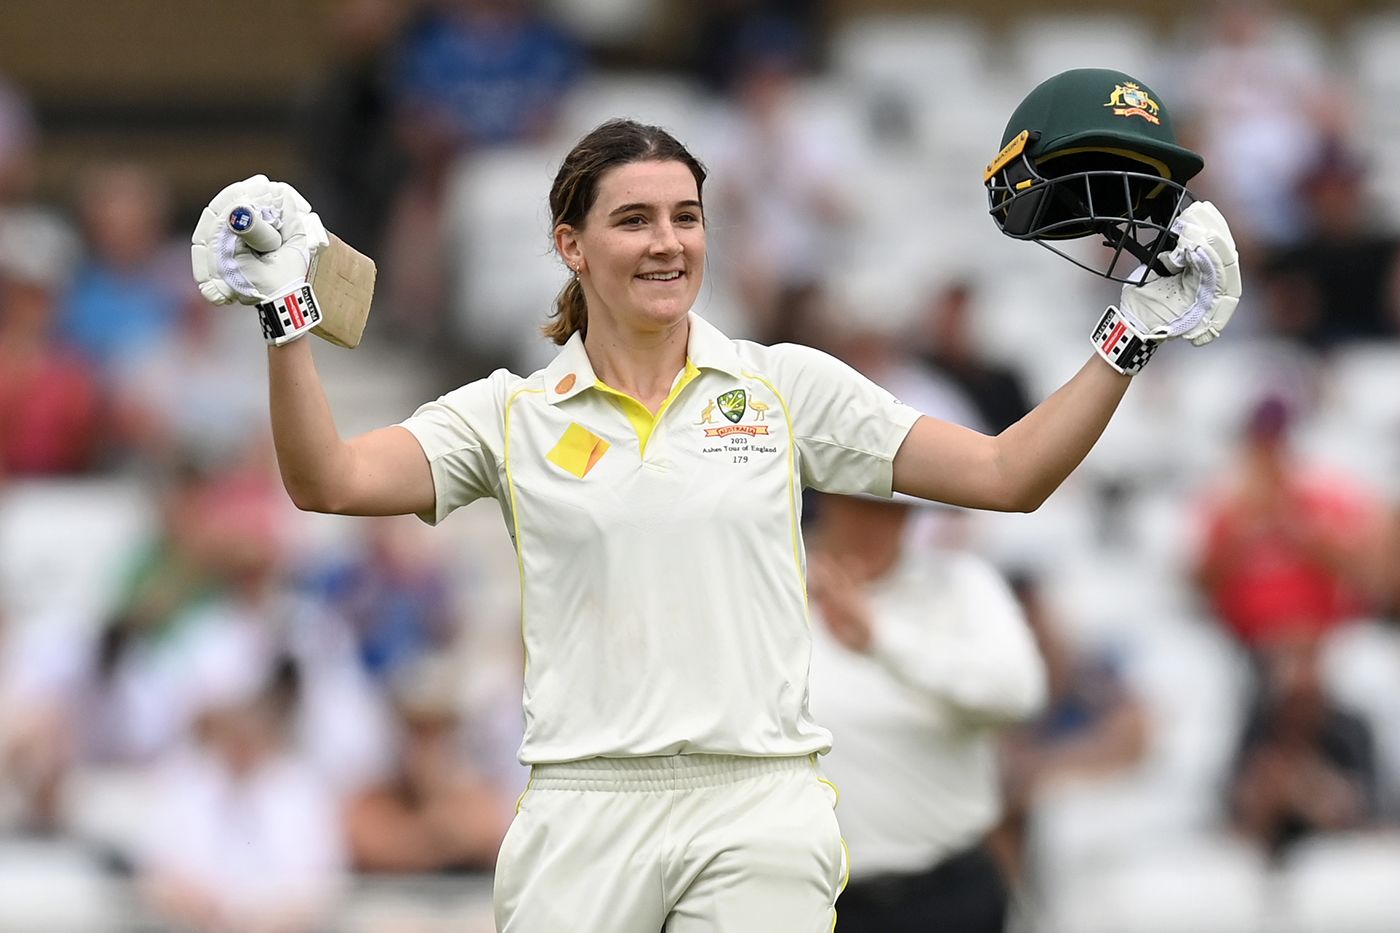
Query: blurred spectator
(32, 237)
(1383, 570)
(435, 812)
(1094, 725)
(216, 528)
(779, 192)
(42, 664)
(48, 405)
(340, 724)
(353, 155)
(245, 834)
(1287, 546)
(949, 346)
(883, 357)
(50, 408)
(468, 74)
(190, 397)
(1341, 282)
(396, 595)
(1304, 765)
(1257, 111)
(128, 289)
(477, 73)
(921, 657)
(723, 33)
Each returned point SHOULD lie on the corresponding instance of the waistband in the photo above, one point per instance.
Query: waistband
(661, 773)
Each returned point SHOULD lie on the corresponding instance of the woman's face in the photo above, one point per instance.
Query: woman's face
(641, 252)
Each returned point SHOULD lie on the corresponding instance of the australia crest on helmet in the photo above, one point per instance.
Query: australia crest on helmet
(1130, 100)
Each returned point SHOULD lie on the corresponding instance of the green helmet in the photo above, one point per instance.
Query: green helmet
(1092, 152)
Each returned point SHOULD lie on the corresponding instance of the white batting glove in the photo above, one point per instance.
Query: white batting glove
(228, 269)
(1195, 303)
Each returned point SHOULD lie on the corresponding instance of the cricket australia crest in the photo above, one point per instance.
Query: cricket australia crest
(1130, 100)
(733, 404)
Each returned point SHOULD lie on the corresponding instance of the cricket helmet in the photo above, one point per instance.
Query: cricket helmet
(1092, 152)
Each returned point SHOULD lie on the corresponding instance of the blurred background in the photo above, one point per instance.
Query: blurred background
(1214, 590)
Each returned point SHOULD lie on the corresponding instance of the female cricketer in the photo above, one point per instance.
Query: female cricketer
(650, 478)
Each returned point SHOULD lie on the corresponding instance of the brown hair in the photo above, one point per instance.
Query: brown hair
(616, 142)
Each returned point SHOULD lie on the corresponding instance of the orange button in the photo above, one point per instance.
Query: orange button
(566, 384)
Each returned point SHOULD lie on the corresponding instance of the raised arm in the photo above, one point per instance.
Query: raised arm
(1018, 469)
(383, 472)
(253, 245)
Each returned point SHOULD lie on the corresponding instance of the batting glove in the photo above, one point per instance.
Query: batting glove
(1196, 302)
(228, 268)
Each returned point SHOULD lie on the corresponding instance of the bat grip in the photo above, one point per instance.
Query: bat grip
(247, 223)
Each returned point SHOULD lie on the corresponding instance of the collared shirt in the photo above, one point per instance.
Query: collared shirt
(915, 720)
(662, 575)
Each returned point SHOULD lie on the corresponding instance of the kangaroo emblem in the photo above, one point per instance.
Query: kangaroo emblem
(707, 416)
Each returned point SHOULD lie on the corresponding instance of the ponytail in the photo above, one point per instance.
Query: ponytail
(570, 314)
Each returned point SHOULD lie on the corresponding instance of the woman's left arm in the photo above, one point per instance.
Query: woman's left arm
(1018, 469)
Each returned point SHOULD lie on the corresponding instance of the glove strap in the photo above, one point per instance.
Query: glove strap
(289, 315)
(1122, 345)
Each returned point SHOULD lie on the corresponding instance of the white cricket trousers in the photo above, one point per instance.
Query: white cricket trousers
(680, 844)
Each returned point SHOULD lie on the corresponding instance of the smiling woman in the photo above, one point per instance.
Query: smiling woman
(639, 257)
(629, 222)
(651, 479)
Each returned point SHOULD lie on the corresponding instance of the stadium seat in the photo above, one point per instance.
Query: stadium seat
(1139, 446)
(917, 54)
(418, 903)
(65, 543)
(1194, 680)
(1370, 48)
(1060, 534)
(1361, 663)
(107, 808)
(1108, 838)
(378, 384)
(1349, 447)
(893, 249)
(1350, 883)
(1204, 884)
(1211, 391)
(1362, 384)
(1161, 525)
(933, 75)
(54, 885)
(677, 103)
(499, 236)
(1045, 45)
(933, 80)
(607, 22)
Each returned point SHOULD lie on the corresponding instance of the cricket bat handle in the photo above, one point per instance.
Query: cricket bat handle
(261, 236)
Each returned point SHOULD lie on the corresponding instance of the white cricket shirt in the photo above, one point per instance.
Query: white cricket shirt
(915, 720)
(662, 574)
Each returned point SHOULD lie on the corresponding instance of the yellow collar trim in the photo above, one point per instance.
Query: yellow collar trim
(641, 419)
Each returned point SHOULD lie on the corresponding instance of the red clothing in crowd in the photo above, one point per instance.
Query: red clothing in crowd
(49, 410)
(1287, 567)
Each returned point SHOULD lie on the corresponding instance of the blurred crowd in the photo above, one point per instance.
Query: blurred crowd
(259, 711)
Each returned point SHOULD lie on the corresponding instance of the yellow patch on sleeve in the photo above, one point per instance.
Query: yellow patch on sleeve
(578, 451)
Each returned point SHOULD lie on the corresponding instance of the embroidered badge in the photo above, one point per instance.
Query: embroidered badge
(732, 404)
(1130, 100)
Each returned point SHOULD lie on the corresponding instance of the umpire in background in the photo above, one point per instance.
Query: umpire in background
(921, 656)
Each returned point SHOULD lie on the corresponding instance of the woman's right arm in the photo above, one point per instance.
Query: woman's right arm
(383, 472)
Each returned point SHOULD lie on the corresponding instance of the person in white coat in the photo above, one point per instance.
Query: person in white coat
(921, 656)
